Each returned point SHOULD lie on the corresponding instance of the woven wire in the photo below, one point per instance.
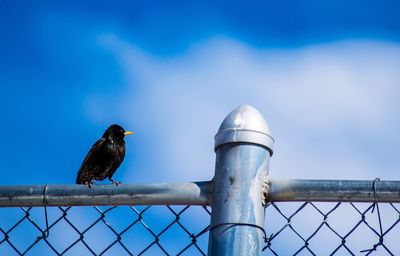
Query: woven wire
(292, 229)
(310, 228)
(122, 230)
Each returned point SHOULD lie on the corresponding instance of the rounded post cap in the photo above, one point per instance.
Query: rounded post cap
(244, 124)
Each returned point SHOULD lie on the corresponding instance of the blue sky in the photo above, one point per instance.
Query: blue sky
(324, 74)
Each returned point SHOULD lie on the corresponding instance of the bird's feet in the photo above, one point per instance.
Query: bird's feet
(114, 182)
(89, 184)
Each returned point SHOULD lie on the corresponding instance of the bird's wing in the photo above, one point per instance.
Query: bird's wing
(85, 173)
(117, 160)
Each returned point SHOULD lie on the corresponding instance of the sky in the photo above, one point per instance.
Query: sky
(324, 74)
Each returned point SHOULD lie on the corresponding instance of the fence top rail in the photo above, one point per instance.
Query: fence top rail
(334, 190)
(195, 193)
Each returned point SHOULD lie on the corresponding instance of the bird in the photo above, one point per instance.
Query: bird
(104, 158)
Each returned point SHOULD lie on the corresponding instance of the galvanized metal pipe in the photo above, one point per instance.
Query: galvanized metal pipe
(195, 193)
(243, 147)
(333, 190)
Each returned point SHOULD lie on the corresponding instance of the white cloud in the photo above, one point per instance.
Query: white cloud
(329, 106)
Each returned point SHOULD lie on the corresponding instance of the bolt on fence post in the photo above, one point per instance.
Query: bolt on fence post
(243, 146)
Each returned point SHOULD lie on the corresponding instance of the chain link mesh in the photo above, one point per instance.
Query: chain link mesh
(292, 229)
(332, 229)
(122, 230)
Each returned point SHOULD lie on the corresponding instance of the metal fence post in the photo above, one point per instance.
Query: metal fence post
(243, 146)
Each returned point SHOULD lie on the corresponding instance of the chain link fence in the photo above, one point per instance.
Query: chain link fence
(105, 230)
(292, 228)
(302, 217)
(310, 228)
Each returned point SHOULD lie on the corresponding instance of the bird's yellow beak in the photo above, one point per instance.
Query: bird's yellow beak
(128, 133)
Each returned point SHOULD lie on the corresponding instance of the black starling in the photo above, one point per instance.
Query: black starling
(104, 157)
